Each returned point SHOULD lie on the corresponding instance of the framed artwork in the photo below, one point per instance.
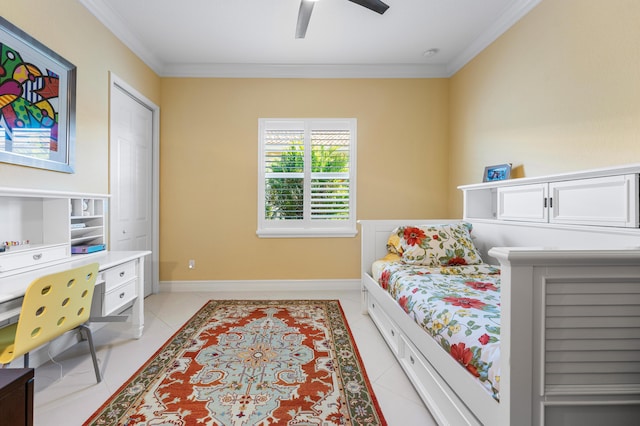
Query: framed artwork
(499, 172)
(37, 103)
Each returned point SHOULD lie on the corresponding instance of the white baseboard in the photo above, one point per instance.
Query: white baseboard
(260, 285)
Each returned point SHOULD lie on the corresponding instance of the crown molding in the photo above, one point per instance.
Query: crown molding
(512, 15)
(304, 71)
(101, 10)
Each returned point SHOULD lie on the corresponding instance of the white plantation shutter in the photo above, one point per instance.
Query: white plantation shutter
(330, 185)
(306, 183)
(284, 174)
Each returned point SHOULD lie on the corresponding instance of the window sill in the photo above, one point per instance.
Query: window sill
(306, 233)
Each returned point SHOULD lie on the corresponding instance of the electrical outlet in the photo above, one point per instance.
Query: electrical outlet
(192, 264)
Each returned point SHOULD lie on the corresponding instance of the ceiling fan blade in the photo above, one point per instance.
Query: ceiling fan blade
(304, 14)
(375, 5)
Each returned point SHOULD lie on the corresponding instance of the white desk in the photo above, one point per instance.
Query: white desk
(120, 281)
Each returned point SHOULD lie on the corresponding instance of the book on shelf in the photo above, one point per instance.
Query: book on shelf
(87, 248)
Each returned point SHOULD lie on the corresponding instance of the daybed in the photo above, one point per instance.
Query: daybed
(568, 315)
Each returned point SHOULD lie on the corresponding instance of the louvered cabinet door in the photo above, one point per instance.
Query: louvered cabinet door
(591, 335)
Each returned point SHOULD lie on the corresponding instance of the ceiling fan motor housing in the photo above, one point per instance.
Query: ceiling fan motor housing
(306, 7)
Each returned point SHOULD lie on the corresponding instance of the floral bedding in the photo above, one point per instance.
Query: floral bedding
(458, 305)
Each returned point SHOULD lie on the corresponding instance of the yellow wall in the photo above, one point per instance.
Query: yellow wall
(560, 91)
(209, 165)
(67, 28)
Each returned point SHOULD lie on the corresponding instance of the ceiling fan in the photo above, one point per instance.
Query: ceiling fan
(306, 7)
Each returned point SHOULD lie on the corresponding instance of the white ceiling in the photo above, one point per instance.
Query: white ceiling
(256, 38)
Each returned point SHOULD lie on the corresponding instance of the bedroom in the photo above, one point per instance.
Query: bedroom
(558, 92)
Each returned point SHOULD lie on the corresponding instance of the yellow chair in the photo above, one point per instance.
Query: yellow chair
(52, 305)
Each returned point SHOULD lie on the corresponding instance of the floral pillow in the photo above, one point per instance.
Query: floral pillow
(434, 245)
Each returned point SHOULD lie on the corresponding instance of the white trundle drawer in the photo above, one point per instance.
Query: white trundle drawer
(423, 376)
(118, 275)
(413, 363)
(118, 297)
(387, 327)
(32, 257)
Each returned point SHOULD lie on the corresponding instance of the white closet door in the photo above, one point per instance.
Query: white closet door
(131, 176)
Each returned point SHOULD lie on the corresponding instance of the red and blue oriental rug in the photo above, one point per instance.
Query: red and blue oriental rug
(242, 362)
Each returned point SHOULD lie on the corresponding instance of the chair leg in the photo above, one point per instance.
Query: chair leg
(89, 337)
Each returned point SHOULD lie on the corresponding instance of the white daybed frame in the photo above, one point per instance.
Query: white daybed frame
(532, 279)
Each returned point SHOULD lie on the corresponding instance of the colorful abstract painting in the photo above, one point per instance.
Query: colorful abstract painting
(36, 105)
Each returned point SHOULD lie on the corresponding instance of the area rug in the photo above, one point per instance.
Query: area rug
(243, 362)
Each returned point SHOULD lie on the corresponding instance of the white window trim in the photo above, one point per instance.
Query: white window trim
(307, 228)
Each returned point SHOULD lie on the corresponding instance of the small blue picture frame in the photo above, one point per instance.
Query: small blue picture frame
(498, 172)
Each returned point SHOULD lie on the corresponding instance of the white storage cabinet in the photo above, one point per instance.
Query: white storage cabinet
(605, 197)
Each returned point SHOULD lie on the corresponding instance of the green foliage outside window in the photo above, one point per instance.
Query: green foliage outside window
(284, 196)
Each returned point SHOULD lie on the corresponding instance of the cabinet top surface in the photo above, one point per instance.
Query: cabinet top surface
(10, 375)
(584, 174)
(108, 259)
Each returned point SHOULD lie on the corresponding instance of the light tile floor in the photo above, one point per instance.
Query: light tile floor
(66, 392)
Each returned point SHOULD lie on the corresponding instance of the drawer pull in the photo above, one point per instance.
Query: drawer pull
(121, 274)
(37, 256)
(122, 295)
(411, 359)
(393, 333)
(373, 305)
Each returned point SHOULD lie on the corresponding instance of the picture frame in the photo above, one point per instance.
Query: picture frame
(37, 103)
(497, 172)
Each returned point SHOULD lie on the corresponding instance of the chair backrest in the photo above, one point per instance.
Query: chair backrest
(54, 304)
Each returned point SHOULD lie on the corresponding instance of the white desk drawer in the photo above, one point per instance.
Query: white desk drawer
(118, 297)
(32, 257)
(116, 276)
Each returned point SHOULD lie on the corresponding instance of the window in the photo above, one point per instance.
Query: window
(306, 183)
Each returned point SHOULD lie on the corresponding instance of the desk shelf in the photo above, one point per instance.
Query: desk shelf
(48, 223)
